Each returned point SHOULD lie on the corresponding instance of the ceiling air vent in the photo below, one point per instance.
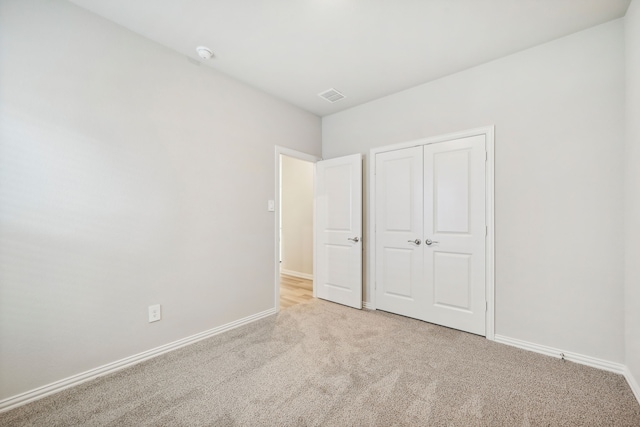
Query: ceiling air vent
(331, 95)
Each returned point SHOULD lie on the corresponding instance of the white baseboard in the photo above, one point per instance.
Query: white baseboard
(635, 387)
(296, 274)
(40, 392)
(368, 305)
(594, 362)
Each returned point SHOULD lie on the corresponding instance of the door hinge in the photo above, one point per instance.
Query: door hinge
(486, 156)
(486, 306)
(486, 230)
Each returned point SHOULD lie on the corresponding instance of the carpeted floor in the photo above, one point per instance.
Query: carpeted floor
(322, 364)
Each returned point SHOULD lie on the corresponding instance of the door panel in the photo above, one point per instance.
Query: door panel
(454, 209)
(339, 230)
(397, 278)
(399, 222)
(337, 266)
(451, 191)
(451, 284)
(337, 187)
(399, 180)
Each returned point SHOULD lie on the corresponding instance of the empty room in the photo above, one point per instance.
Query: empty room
(320, 213)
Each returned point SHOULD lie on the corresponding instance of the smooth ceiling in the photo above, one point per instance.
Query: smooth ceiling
(366, 49)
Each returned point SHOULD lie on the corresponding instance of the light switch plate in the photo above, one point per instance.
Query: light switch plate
(155, 313)
(271, 206)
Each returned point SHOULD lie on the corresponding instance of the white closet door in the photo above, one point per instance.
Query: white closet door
(454, 223)
(339, 230)
(399, 221)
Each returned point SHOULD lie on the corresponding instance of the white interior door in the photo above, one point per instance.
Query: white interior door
(455, 232)
(339, 230)
(399, 232)
(430, 233)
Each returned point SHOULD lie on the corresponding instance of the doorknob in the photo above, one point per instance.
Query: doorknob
(417, 241)
(429, 242)
(354, 239)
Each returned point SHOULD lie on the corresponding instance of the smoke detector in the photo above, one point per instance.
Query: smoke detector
(204, 52)
(331, 95)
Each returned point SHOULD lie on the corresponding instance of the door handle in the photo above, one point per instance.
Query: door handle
(429, 242)
(354, 239)
(417, 241)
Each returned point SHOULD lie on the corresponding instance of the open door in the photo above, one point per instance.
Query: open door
(338, 243)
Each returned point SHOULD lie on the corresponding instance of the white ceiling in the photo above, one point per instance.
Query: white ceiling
(366, 49)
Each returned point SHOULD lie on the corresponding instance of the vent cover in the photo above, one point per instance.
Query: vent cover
(331, 95)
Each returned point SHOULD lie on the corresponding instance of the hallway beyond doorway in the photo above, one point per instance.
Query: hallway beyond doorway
(294, 290)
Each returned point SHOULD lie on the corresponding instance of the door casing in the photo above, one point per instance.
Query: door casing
(488, 132)
(301, 156)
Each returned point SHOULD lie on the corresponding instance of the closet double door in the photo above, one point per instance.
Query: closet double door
(430, 233)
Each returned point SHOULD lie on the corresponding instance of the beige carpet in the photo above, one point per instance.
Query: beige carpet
(321, 364)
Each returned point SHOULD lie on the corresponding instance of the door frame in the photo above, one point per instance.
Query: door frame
(488, 132)
(278, 168)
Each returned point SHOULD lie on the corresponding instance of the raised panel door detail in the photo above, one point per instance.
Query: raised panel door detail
(398, 191)
(451, 191)
(452, 280)
(337, 266)
(338, 197)
(397, 272)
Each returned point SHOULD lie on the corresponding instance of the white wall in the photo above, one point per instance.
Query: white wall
(632, 194)
(297, 216)
(128, 177)
(558, 111)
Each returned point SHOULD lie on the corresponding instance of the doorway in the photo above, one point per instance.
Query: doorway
(294, 228)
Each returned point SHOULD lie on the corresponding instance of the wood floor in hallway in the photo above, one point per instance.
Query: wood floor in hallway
(294, 290)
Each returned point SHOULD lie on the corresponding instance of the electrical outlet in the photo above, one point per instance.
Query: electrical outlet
(155, 313)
